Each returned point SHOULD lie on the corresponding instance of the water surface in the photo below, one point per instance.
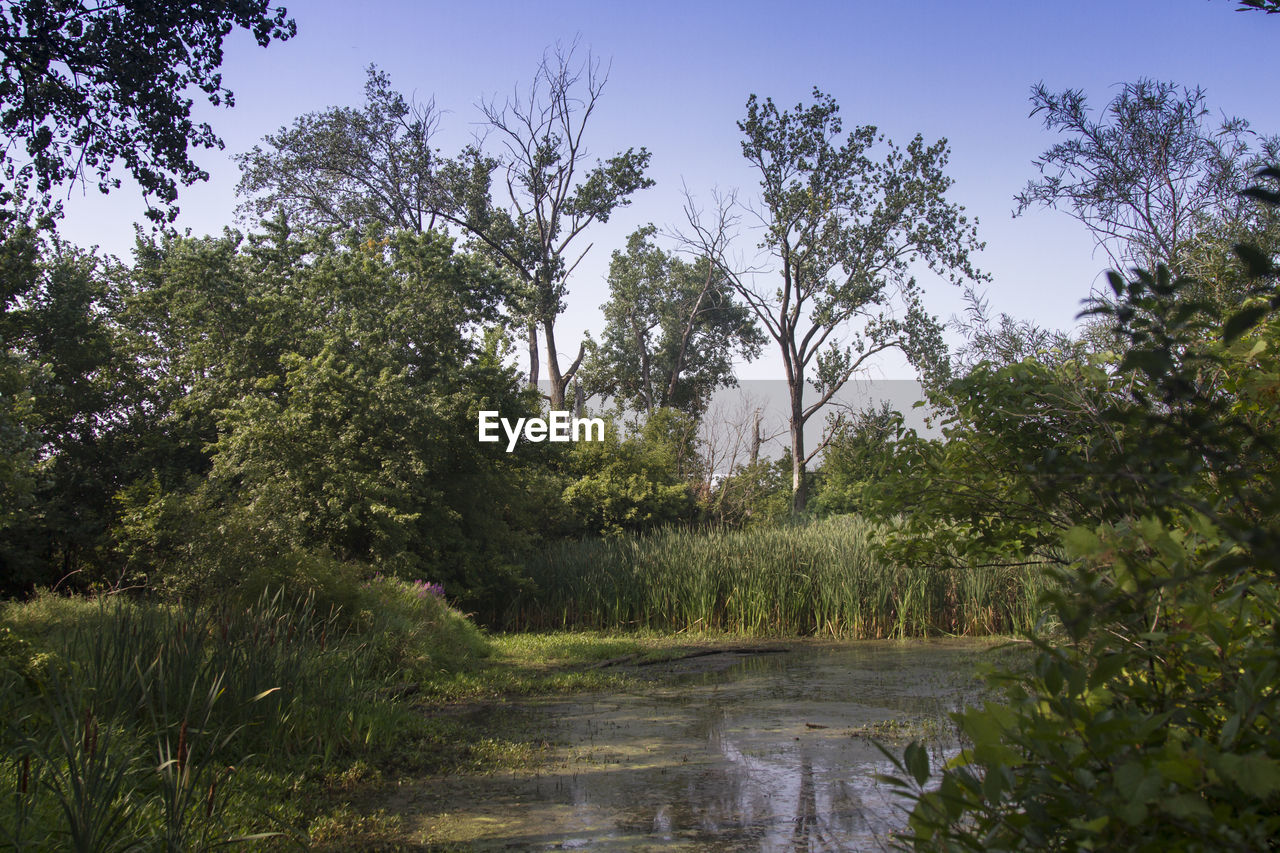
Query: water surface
(728, 752)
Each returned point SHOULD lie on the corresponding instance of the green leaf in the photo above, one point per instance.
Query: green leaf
(1256, 775)
(916, 759)
(1242, 321)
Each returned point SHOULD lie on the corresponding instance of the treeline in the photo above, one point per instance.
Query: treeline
(261, 408)
(301, 402)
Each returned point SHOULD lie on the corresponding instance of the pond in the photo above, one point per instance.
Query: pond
(728, 751)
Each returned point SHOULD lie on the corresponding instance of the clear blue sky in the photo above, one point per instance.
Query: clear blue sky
(681, 73)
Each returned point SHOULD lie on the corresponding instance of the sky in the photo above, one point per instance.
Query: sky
(679, 77)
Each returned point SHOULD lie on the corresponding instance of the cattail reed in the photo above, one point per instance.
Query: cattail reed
(182, 748)
(822, 578)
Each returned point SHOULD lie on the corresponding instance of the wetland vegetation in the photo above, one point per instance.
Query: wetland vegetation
(263, 587)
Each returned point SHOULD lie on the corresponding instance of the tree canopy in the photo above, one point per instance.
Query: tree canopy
(87, 83)
(672, 330)
(844, 219)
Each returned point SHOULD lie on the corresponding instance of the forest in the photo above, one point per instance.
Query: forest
(253, 536)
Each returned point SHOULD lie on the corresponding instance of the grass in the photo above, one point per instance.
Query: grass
(823, 578)
(135, 724)
(140, 725)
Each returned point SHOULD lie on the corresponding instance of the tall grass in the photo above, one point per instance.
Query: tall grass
(131, 725)
(821, 578)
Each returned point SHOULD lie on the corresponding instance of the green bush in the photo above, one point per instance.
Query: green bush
(411, 631)
(1149, 723)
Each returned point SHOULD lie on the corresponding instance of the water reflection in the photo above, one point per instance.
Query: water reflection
(758, 755)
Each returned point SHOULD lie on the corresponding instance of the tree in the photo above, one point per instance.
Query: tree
(322, 394)
(1148, 176)
(350, 168)
(843, 230)
(552, 196)
(1271, 7)
(347, 168)
(859, 454)
(1143, 721)
(86, 83)
(633, 483)
(1006, 340)
(672, 330)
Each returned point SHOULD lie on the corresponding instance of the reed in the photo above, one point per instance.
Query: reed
(821, 578)
(135, 726)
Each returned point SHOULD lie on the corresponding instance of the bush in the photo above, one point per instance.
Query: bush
(410, 630)
(1150, 724)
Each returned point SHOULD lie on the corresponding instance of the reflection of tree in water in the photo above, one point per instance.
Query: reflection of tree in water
(844, 817)
(784, 801)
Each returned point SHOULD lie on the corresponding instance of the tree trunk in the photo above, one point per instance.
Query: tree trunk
(559, 382)
(533, 354)
(756, 439)
(799, 488)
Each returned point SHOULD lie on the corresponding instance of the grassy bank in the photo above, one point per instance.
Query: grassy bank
(141, 725)
(823, 578)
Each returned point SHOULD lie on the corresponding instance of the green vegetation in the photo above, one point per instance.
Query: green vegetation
(1149, 723)
(234, 454)
(134, 724)
(822, 578)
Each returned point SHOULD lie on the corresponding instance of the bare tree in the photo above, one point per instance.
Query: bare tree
(551, 193)
(730, 437)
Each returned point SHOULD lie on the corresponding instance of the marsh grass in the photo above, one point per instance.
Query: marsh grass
(136, 725)
(822, 578)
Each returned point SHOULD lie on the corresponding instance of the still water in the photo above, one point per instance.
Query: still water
(731, 752)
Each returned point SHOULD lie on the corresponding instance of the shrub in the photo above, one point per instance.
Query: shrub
(410, 630)
(1151, 724)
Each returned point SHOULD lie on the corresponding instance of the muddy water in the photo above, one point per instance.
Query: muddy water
(729, 752)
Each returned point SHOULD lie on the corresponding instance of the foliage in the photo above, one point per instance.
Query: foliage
(672, 330)
(755, 493)
(344, 168)
(819, 578)
(553, 195)
(857, 456)
(67, 384)
(87, 83)
(1148, 725)
(1147, 175)
(342, 425)
(632, 483)
(844, 226)
(1006, 340)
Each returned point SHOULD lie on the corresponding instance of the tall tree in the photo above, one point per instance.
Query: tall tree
(85, 83)
(552, 195)
(843, 230)
(1147, 175)
(350, 168)
(672, 330)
